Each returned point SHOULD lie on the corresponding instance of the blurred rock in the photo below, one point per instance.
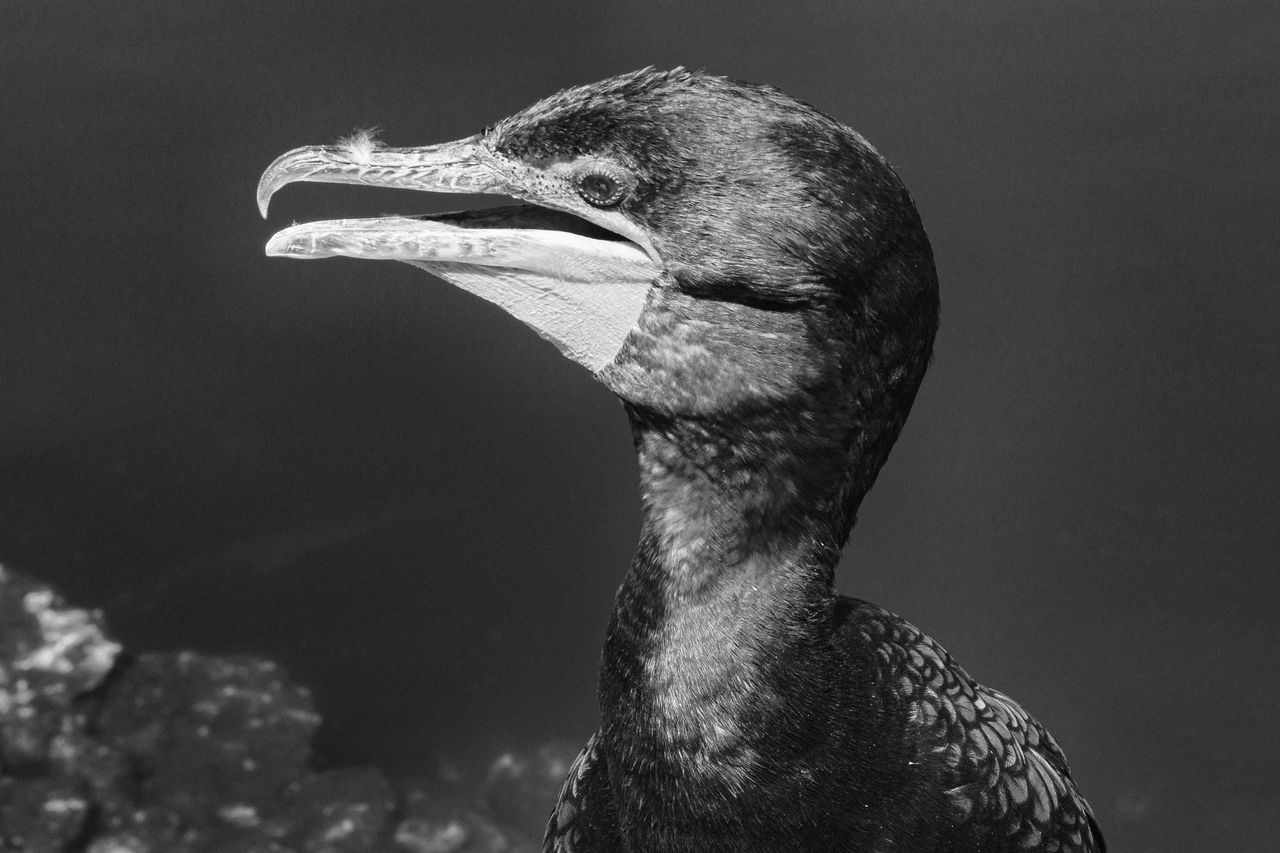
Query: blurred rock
(521, 789)
(204, 734)
(186, 753)
(49, 655)
(339, 811)
(436, 824)
(40, 814)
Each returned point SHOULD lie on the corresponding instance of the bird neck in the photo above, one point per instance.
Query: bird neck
(758, 433)
(722, 640)
(718, 492)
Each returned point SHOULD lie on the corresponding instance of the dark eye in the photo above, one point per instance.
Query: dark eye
(602, 184)
(599, 189)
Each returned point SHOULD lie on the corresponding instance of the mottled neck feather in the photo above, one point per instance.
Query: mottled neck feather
(722, 647)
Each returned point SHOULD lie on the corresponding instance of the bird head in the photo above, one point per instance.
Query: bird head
(702, 245)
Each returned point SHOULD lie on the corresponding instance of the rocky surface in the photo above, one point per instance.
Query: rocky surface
(104, 752)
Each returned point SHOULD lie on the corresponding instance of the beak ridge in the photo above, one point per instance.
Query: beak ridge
(464, 166)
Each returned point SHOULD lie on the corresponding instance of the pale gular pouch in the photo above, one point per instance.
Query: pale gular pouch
(542, 262)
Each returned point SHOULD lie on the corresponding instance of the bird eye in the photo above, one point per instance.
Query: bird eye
(602, 184)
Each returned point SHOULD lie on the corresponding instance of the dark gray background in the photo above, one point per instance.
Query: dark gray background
(423, 510)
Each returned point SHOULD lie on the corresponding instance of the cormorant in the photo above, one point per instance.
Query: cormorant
(752, 279)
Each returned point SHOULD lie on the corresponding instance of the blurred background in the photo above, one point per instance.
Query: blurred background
(423, 511)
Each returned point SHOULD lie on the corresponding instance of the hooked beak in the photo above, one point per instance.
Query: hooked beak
(454, 167)
(580, 284)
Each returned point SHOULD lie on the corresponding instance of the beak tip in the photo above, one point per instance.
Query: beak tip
(265, 192)
(276, 247)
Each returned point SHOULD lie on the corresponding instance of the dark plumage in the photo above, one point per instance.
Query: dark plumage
(789, 321)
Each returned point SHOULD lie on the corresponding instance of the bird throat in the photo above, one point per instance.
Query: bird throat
(755, 448)
(721, 645)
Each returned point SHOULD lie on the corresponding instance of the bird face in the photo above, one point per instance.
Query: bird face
(693, 241)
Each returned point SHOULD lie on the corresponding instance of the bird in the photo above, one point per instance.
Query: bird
(753, 281)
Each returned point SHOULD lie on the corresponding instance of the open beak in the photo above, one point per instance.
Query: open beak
(578, 284)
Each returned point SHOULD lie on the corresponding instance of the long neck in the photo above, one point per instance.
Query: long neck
(758, 434)
(722, 643)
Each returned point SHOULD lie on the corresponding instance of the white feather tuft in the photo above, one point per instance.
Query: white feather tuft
(361, 144)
